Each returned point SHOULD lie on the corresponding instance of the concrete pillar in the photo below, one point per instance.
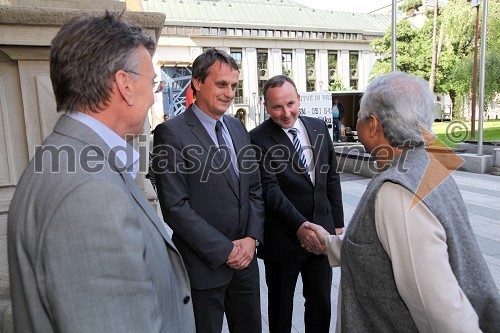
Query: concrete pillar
(299, 69)
(343, 68)
(275, 63)
(322, 75)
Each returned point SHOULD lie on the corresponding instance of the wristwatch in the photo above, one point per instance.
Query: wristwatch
(256, 241)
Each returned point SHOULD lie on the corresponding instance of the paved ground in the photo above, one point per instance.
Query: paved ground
(481, 194)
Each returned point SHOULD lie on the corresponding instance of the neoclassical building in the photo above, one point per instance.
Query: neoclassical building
(266, 37)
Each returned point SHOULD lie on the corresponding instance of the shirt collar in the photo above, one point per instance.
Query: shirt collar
(127, 155)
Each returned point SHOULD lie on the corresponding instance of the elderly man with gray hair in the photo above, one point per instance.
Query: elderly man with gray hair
(409, 260)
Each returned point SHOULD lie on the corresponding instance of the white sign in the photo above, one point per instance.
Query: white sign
(317, 105)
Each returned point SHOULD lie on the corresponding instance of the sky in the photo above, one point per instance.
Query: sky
(360, 6)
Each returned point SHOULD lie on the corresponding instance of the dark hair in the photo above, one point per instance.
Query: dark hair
(203, 62)
(85, 55)
(277, 81)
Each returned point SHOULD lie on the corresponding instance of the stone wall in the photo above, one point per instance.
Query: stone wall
(27, 104)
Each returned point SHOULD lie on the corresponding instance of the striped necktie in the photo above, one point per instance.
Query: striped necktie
(298, 147)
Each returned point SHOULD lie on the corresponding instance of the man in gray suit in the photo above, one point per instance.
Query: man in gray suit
(208, 185)
(87, 252)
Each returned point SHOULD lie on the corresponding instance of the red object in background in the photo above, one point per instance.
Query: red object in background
(189, 96)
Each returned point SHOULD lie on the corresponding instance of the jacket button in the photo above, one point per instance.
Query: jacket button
(186, 299)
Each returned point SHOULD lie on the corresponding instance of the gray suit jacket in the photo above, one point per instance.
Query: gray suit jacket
(87, 252)
(198, 201)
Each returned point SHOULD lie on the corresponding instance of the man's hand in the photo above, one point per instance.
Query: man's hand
(309, 239)
(320, 234)
(242, 253)
(339, 231)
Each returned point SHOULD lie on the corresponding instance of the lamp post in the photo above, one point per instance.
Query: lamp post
(484, 27)
(254, 94)
(474, 3)
(393, 37)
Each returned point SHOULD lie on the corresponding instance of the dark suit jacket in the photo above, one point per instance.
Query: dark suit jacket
(289, 194)
(198, 202)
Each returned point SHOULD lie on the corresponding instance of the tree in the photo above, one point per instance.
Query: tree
(452, 74)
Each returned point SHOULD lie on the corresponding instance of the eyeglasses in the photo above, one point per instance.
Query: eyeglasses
(157, 86)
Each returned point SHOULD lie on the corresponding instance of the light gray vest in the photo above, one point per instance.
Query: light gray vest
(370, 300)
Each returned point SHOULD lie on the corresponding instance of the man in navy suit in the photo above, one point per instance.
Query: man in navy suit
(300, 184)
(210, 195)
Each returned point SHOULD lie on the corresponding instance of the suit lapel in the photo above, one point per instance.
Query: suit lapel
(74, 129)
(206, 141)
(239, 141)
(282, 138)
(316, 138)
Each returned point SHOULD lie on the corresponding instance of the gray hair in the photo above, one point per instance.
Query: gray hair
(402, 103)
(86, 54)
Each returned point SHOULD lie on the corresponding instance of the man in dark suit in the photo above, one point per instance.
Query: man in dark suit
(300, 183)
(210, 195)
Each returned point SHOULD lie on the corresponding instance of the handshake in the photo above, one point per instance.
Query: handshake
(312, 237)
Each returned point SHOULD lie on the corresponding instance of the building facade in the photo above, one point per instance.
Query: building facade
(320, 49)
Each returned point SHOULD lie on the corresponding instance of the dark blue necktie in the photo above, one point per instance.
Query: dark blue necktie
(226, 154)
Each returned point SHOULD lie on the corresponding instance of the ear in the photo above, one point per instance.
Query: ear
(196, 84)
(124, 86)
(375, 127)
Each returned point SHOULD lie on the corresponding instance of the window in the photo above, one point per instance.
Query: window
(222, 31)
(285, 34)
(237, 56)
(205, 31)
(230, 32)
(286, 63)
(260, 88)
(238, 94)
(239, 32)
(332, 64)
(313, 35)
(310, 85)
(307, 35)
(246, 32)
(262, 33)
(255, 33)
(213, 31)
(300, 34)
(353, 66)
(269, 33)
(277, 34)
(262, 58)
(310, 63)
(292, 34)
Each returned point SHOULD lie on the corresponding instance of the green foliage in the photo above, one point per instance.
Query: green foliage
(336, 84)
(410, 7)
(454, 69)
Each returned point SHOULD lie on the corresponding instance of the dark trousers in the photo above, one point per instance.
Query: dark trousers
(337, 129)
(281, 279)
(240, 300)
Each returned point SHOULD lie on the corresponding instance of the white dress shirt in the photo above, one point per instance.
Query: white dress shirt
(306, 146)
